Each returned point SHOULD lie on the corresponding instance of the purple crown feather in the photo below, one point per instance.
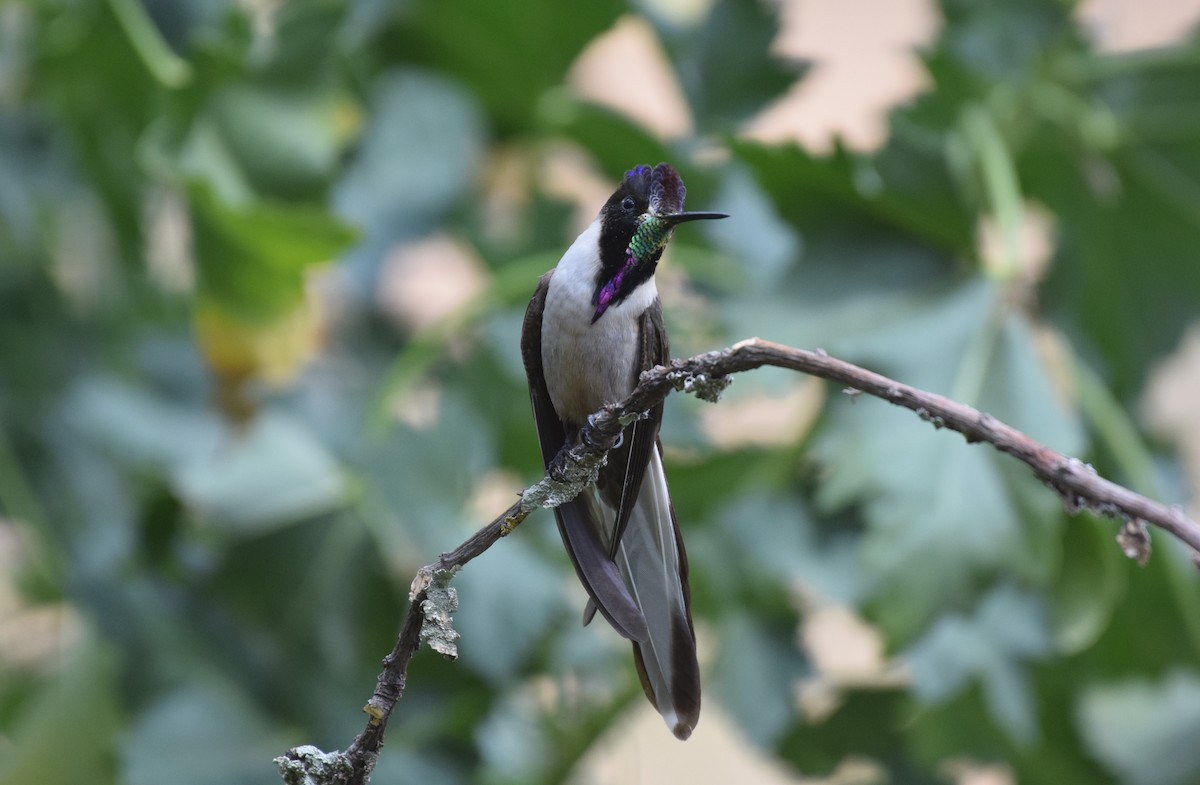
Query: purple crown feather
(662, 185)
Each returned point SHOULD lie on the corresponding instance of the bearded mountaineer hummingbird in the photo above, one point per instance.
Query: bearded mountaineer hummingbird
(594, 324)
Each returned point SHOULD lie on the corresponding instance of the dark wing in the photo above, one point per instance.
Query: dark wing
(549, 428)
(621, 478)
(579, 531)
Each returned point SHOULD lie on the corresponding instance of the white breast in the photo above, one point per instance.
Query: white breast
(588, 365)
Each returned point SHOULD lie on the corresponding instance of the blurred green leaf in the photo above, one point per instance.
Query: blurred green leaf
(1090, 582)
(756, 668)
(512, 740)
(1003, 42)
(308, 43)
(931, 498)
(617, 143)
(905, 189)
(765, 246)
(271, 473)
(32, 177)
(867, 723)
(1144, 731)
(1007, 630)
(768, 535)
(165, 65)
(509, 60)
(965, 728)
(508, 600)
(1145, 204)
(203, 733)
(1135, 198)
(418, 156)
(417, 480)
(726, 85)
(286, 141)
(81, 55)
(252, 259)
(138, 427)
(37, 743)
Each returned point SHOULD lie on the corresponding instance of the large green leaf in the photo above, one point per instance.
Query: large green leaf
(965, 727)
(871, 286)
(140, 429)
(1124, 184)
(868, 723)
(270, 473)
(1003, 41)
(941, 512)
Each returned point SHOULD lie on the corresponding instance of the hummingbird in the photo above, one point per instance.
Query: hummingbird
(594, 324)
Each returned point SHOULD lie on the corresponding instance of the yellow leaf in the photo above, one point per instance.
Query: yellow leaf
(245, 354)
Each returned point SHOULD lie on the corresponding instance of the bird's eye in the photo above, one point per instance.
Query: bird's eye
(627, 204)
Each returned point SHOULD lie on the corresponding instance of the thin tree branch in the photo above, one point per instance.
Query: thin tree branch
(706, 375)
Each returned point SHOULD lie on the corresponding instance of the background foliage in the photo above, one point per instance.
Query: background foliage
(218, 477)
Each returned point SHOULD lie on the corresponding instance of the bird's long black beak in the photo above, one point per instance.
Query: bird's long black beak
(678, 218)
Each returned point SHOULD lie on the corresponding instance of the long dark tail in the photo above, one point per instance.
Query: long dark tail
(653, 563)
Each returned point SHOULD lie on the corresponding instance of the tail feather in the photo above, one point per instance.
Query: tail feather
(652, 562)
(580, 522)
(683, 711)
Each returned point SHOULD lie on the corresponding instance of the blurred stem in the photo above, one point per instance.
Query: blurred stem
(1089, 66)
(1118, 433)
(163, 64)
(1115, 429)
(1173, 185)
(335, 559)
(19, 503)
(570, 748)
(972, 371)
(17, 499)
(1093, 122)
(1000, 183)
